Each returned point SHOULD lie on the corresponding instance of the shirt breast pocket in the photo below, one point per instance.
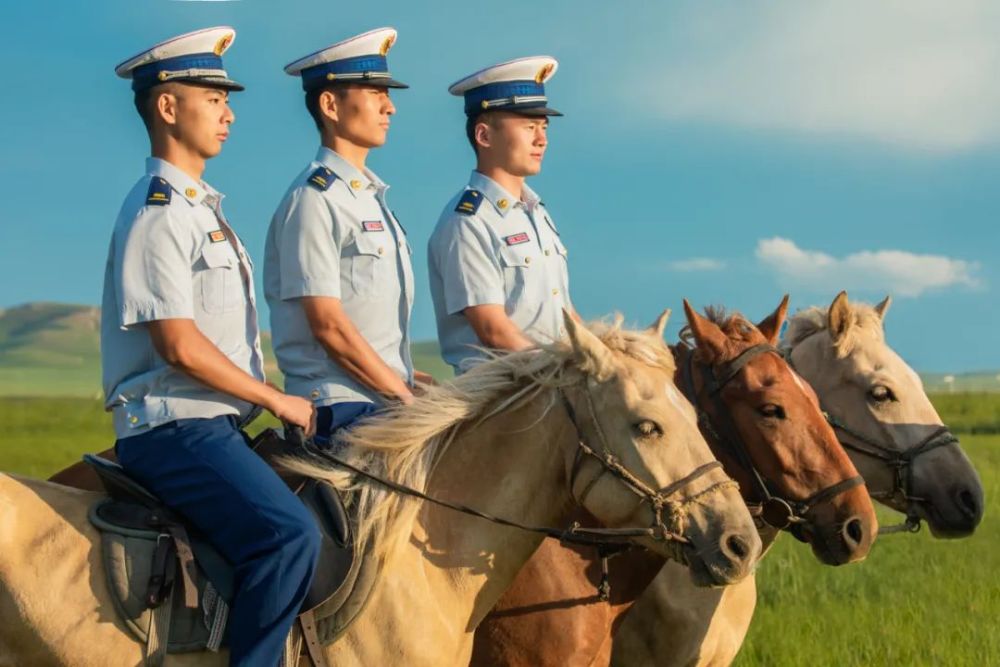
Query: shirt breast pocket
(221, 288)
(519, 283)
(370, 265)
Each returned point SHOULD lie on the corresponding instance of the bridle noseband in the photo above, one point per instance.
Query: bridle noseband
(772, 509)
(900, 461)
(669, 513)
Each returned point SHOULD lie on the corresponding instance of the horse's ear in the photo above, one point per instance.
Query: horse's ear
(770, 326)
(591, 354)
(657, 328)
(838, 319)
(883, 306)
(707, 335)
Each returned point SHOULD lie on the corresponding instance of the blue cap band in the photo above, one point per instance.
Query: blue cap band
(504, 90)
(353, 68)
(147, 76)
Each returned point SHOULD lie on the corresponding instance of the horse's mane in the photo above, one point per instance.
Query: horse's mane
(865, 321)
(403, 443)
(739, 331)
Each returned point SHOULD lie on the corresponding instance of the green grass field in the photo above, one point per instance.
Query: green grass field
(914, 601)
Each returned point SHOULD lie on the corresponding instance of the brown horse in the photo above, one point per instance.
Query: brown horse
(890, 430)
(759, 419)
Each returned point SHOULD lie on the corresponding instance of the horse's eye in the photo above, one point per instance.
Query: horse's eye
(648, 429)
(771, 411)
(881, 394)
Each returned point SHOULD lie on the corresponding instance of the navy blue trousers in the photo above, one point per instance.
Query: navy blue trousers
(204, 470)
(331, 418)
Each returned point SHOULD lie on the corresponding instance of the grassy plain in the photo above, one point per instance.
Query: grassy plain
(915, 601)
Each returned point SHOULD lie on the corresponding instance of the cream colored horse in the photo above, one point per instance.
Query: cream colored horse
(500, 438)
(859, 379)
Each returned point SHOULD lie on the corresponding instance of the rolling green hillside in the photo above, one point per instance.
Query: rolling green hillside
(53, 349)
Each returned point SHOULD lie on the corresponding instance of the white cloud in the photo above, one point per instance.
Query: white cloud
(895, 271)
(696, 264)
(915, 73)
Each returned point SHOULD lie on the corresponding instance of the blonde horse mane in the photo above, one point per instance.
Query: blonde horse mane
(864, 320)
(403, 443)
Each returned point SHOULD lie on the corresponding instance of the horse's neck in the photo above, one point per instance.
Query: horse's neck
(454, 568)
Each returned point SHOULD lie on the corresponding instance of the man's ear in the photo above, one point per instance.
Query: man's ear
(166, 106)
(328, 105)
(481, 133)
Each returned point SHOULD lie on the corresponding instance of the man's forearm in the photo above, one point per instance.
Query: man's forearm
(349, 349)
(185, 348)
(344, 344)
(495, 329)
(504, 338)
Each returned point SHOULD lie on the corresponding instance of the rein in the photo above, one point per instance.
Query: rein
(669, 514)
(899, 460)
(774, 510)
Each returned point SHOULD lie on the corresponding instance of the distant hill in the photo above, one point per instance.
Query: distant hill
(53, 349)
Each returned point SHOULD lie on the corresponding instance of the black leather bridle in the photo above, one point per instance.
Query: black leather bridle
(773, 509)
(899, 461)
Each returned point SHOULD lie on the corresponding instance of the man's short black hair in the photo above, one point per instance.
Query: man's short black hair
(312, 101)
(470, 130)
(143, 99)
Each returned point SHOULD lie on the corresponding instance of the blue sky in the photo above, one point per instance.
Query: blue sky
(723, 153)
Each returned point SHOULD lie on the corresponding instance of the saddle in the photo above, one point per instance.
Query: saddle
(172, 588)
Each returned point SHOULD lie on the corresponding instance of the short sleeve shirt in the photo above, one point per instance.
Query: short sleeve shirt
(491, 248)
(173, 255)
(333, 235)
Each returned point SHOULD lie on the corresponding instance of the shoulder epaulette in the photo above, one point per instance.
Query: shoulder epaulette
(321, 179)
(470, 201)
(159, 192)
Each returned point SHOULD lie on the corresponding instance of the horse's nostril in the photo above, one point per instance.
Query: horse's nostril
(854, 533)
(967, 502)
(738, 547)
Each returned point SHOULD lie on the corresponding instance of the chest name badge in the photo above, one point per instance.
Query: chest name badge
(517, 239)
(373, 226)
(217, 236)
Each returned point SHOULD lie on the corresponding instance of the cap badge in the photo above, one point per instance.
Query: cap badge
(223, 44)
(544, 73)
(386, 45)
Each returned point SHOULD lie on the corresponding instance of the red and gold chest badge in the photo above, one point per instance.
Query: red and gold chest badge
(517, 239)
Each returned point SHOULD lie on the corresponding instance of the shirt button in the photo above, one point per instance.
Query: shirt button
(548, 252)
(527, 260)
(381, 250)
(355, 184)
(555, 292)
(133, 419)
(314, 393)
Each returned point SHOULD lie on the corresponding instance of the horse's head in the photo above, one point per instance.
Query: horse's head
(650, 464)
(877, 403)
(772, 437)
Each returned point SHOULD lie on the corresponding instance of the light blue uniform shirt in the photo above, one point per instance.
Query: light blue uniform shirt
(171, 257)
(505, 252)
(333, 235)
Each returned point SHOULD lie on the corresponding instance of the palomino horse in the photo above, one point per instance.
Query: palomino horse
(524, 436)
(751, 406)
(891, 432)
